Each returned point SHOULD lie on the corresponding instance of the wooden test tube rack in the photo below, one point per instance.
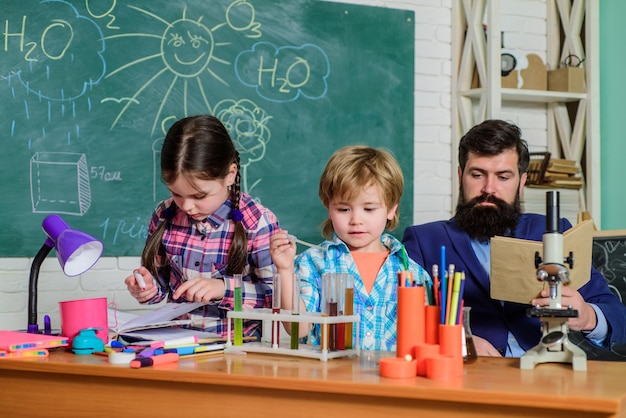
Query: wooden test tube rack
(304, 350)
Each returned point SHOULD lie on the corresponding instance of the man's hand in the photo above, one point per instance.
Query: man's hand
(484, 347)
(586, 320)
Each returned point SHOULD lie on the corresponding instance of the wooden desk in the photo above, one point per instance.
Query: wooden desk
(68, 385)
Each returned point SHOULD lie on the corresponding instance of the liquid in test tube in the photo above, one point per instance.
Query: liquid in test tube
(295, 304)
(349, 309)
(238, 337)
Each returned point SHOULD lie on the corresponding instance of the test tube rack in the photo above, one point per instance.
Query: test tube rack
(304, 350)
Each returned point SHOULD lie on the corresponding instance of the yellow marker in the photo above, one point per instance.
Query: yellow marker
(454, 304)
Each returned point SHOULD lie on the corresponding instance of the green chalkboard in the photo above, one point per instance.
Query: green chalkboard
(89, 88)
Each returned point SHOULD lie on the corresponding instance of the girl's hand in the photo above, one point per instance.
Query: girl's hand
(145, 294)
(201, 289)
(282, 250)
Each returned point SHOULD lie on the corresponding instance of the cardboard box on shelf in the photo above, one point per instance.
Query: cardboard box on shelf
(532, 77)
(570, 79)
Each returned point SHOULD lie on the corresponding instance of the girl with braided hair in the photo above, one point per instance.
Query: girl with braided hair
(207, 231)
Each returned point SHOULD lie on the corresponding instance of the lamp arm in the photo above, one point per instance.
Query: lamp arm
(32, 286)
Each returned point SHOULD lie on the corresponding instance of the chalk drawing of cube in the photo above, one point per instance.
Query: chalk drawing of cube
(59, 183)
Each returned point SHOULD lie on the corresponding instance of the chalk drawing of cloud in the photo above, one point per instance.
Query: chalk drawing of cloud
(64, 54)
(283, 74)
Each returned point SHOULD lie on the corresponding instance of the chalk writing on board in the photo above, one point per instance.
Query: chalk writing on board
(91, 87)
(284, 74)
(186, 51)
(247, 124)
(609, 257)
(58, 52)
(59, 183)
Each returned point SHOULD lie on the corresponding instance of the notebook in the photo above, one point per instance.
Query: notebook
(18, 341)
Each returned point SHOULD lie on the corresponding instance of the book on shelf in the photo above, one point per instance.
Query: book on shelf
(568, 182)
(562, 168)
(549, 176)
(534, 200)
(563, 161)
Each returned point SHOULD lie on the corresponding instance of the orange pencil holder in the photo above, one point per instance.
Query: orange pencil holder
(451, 345)
(433, 319)
(411, 319)
(397, 367)
(423, 352)
(443, 367)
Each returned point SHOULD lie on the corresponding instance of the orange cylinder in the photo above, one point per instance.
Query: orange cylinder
(411, 319)
(433, 319)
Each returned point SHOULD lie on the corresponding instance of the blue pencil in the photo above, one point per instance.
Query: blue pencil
(443, 280)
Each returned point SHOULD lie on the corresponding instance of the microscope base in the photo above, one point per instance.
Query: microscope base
(563, 352)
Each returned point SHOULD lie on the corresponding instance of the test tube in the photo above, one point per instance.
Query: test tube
(340, 291)
(238, 337)
(276, 310)
(295, 310)
(349, 309)
(324, 328)
(330, 306)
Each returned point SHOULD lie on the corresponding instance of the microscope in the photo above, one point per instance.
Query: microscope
(554, 346)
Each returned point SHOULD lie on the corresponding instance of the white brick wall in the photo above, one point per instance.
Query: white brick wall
(524, 24)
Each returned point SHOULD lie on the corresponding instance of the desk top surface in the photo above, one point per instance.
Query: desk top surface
(496, 381)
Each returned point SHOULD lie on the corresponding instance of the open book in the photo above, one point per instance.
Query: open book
(513, 271)
(158, 324)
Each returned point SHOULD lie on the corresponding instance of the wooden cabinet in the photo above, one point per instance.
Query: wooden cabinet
(573, 119)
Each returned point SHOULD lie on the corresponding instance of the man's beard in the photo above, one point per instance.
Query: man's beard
(484, 222)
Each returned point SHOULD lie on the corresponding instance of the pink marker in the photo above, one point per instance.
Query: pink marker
(140, 281)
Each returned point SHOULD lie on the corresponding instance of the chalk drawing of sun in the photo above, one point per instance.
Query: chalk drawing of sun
(187, 51)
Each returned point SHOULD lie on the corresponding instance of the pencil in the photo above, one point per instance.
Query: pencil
(443, 284)
(203, 354)
(449, 285)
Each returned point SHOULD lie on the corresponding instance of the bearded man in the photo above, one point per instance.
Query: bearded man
(493, 160)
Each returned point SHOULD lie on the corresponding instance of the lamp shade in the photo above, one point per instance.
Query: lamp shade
(76, 251)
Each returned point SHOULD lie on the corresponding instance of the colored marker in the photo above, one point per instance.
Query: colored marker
(181, 351)
(47, 326)
(140, 281)
(147, 352)
(175, 342)
(153, 361)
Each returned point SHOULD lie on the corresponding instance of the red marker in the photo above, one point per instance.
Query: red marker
(154, 360)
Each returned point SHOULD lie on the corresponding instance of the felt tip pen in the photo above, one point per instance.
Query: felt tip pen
(175, 342)
(153, 361)
(181, 351)
(147, 352)
(47, 326)
(140, 281)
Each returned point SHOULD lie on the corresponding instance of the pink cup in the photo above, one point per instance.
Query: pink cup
(84, 313)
